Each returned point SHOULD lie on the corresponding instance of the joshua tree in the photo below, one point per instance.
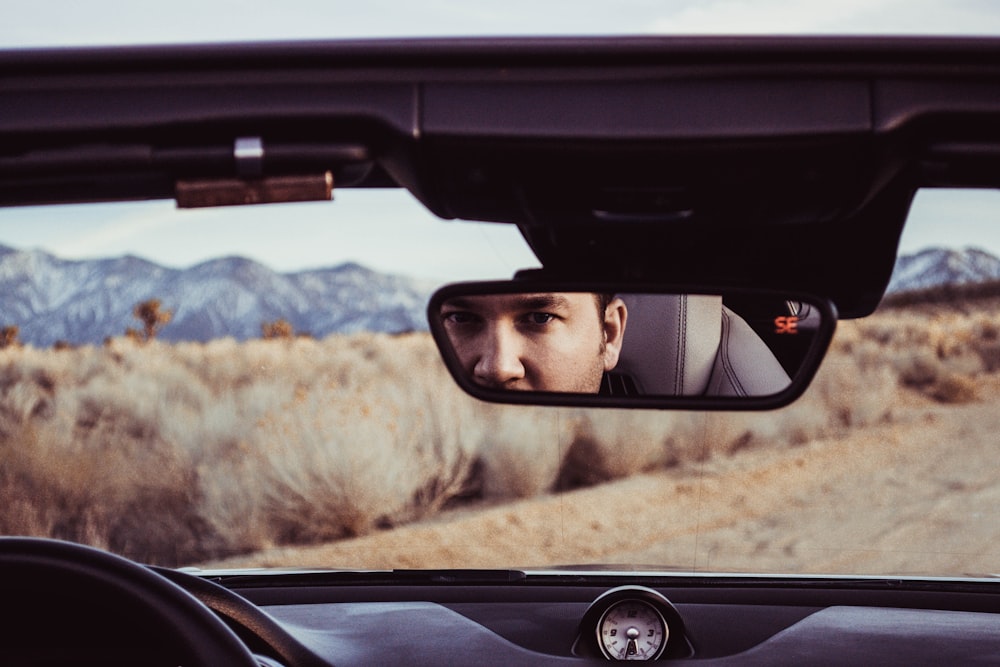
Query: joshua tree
(281, 328)
(8, 336)
(152, 317)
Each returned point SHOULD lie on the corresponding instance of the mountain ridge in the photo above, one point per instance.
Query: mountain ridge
(936, 266)
(84, 301)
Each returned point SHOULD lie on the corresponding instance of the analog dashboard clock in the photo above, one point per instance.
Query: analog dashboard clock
(632, 623)
(632, 630)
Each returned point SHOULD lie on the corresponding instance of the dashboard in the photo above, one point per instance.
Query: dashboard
(70, 604)
(569, 619)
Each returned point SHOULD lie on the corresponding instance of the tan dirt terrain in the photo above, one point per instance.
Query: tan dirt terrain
(917, 494)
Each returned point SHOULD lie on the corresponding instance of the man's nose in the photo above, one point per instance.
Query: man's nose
(499, 361)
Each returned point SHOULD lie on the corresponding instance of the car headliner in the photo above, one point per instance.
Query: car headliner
(776, 162)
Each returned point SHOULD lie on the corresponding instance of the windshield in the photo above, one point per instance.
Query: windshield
(256, 386)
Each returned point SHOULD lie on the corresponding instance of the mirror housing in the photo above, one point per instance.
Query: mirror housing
(623, 345)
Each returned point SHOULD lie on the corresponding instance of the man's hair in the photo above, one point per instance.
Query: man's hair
(603, 301)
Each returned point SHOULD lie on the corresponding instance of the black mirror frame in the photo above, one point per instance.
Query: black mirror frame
(810, 364)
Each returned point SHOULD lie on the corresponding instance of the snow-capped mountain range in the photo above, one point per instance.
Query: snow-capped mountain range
(940, 266)
(52, 299)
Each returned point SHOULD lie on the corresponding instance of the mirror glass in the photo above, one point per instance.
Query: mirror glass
(508, 338)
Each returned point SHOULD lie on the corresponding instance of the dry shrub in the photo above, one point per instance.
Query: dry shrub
(520, 449)
(335, 468)
(610, 445)
(968, 362)
(88, 450)
(989, 356)
(359, 436)
(849, 390)
(733, 432)
(939, 350)
(918, 368)
(953, 388)
(986, 329)
(174, 453)
(185, 452)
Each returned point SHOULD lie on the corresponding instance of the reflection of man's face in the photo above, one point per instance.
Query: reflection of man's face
(541, 342)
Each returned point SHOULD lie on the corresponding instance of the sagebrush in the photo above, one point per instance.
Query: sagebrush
(179, 453)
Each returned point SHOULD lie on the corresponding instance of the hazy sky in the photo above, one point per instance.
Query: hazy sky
(310, 231)
(57, 22)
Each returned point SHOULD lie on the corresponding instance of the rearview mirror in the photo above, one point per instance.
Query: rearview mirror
(626, 346)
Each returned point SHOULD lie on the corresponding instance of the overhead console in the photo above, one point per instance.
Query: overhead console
(656, 149)
(798, 153)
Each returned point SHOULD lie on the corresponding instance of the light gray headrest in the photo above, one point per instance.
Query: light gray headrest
(745, 366)
(671, 342)
(691, 345)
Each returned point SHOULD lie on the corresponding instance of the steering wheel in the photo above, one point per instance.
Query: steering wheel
(69, 602)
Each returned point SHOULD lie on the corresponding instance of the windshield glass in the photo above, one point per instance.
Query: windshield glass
(256, 386)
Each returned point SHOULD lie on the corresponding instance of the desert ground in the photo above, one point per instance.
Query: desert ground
(916, 494)
(358, 451)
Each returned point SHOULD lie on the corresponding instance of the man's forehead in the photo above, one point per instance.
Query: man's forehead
(532, 301)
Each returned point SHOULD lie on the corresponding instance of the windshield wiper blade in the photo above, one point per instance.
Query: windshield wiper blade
(309, 576)
(461, 576)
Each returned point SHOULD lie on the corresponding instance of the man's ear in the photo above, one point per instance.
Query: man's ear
(615, 316)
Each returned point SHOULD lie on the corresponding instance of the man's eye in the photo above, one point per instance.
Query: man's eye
(459, 317)
(539, 318)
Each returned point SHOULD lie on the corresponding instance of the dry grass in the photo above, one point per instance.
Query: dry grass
(180, 453)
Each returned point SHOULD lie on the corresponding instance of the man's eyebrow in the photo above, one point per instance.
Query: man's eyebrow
(543, 301)
(459, 303)
(540, 301)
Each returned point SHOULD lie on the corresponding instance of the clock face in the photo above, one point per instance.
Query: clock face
(632, 630)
